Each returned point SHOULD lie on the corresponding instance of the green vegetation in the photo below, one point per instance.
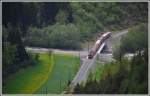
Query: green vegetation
(102, 69)
(135, 40)
(85, 23)
(56, 36)
(73, 23)
(64, 70)
(30, 79)
(48, 72)
(123, 75)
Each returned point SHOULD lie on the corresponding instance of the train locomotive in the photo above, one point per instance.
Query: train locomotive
(98, 44)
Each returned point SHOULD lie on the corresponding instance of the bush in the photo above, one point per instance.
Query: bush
(136, 39)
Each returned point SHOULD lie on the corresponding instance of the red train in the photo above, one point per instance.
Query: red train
(98, 44)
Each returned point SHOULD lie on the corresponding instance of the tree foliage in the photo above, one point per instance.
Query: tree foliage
(89, 18)
(14, 53)
(136, 39)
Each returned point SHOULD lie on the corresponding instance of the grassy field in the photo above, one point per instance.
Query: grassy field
(65, 68)
(47, 73)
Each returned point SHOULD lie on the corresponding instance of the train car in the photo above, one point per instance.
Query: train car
(98, 44)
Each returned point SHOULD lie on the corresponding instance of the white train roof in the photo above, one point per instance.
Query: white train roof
(106, 34)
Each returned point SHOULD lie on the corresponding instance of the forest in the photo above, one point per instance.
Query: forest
(67, 25)
(79, 21)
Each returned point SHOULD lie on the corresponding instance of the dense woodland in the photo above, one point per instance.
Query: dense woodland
(65, 26)
(50, 24)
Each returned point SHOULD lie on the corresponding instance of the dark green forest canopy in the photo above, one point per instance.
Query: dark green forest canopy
(43, 14)
(83, 19)
(30, 13)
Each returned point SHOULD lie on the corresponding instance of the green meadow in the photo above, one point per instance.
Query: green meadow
(50, 75)
(64, 70)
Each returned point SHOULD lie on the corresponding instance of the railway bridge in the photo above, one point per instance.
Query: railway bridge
(88, 64)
